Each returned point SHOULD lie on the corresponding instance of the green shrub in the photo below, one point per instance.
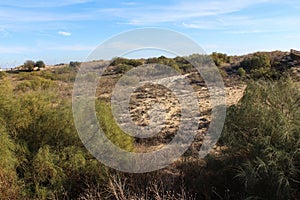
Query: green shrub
(122, 68)
(124, 61)
(47, 74)
(258, 67)
(40, 64)
(220, 58)
(46, 176)
(2, 74)
(111, 128)
(241, 72)
(35, 83)
(9, 188)
(257, 61)
(29, 65)
(42, 156)
(66, 74)
(164, 61)
(263, 130)
(74, 64)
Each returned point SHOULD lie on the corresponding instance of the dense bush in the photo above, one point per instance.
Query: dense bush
(220, 58)
(41, 155)
(2, 74)
(260, 66)
(65, 74)
(241, 72)
(8, 175)
(122, 68)
(35, 83)
(183, 63)
(74, 64)
(164, 61)
(124, 61)
(31, 65)
(111, 128)
(257, 61)
(263, 131)
(40, 64)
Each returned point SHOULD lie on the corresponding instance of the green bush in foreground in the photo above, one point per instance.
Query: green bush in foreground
(8, 176)
(41, 156)
(263, 131)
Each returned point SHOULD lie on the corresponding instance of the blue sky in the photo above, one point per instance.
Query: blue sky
(63, 30)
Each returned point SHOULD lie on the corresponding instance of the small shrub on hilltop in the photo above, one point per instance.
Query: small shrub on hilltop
(29, 65)
(164, 61)
(74, 64)
(259, 60)
(220, 58)
(40, 64)
(124, 61)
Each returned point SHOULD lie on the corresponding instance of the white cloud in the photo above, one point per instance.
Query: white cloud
(64, 33)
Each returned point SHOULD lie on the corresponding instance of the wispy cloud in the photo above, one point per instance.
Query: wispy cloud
(205, 24)
(20, 15)
(64, 33)
(42, 4)
(129, 3)
(184, 10)
(243, 24)
(226, 16)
